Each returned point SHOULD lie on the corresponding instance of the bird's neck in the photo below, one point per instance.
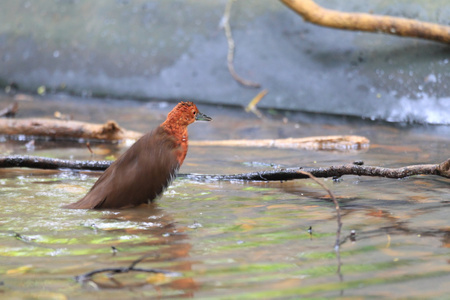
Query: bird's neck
(180, 133)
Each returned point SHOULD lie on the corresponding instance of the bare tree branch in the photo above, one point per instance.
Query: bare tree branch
(311, 12)
(230, 55)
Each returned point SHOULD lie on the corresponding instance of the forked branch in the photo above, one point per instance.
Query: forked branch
(132, 268)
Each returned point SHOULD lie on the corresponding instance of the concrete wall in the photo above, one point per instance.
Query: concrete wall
(174, 49)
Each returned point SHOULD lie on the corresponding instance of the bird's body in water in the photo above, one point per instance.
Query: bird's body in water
(145, 170)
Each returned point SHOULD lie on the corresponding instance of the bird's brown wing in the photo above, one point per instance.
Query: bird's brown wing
(138, 176)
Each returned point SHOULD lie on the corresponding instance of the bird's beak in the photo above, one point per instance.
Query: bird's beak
(202, 117)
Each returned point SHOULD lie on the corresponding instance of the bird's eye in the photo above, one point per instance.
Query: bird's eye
(194, 112)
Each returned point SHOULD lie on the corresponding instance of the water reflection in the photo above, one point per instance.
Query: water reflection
(165, 242)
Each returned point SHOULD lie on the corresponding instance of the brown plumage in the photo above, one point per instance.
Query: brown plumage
(145, 170)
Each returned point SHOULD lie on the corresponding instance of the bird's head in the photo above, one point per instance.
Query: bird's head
(186, 113)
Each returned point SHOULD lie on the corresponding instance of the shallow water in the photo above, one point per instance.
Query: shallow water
(230, 239)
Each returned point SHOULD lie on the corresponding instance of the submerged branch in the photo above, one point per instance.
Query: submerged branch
(88, 276)
(442, 169)
(132, 268)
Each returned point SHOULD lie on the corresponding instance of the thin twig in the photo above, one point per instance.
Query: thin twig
(337, 244)
(231, 47)
(88, 145)
(336, 205)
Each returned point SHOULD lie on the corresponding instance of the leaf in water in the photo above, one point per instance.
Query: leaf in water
(19, 271)
(378, 213)
(423, 183)
(247, 224)
(246, 227)
(24, 294)
(395, 254)
(184, 284)
(269, 197)
(256, 189)
(305, 207)
(287, 283)
(55, 240)
(157, 279)
(102, 151)
(50, 295)
(72, 189)
(285, 206)
(421, 198)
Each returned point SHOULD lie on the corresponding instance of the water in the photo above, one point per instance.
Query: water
(230, 239)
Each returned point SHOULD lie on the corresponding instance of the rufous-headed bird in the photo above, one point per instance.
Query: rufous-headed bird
(145, 170)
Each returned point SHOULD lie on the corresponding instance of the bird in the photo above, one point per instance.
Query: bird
(146, 169)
